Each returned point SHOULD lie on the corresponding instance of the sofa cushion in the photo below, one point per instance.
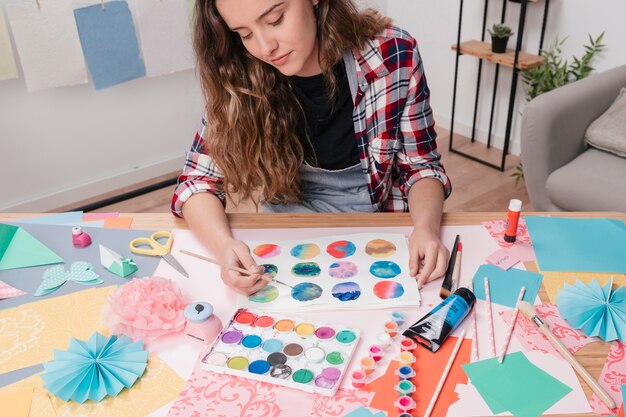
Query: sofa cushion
(594, 181)
(608, 132)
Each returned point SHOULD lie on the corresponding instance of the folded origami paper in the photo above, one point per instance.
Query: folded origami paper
(19, 249)
(53, 278)
(116, 263)
(96, 368)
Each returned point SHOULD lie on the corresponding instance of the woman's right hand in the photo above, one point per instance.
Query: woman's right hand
(237, 253)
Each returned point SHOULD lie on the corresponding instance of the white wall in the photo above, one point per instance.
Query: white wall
(64, 145)
(434, 24)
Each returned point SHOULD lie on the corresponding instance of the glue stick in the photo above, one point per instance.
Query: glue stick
(512, 218)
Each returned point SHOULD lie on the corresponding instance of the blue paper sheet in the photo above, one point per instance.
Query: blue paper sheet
(579, 245)
(70, 218)
(109, 43)
(504, 286)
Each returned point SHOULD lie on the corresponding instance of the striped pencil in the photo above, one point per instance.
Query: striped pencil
(492, 340)
(509, 332)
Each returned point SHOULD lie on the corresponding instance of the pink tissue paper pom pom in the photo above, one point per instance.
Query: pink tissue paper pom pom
(145, 309)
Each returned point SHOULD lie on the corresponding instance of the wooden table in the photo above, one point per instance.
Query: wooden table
(591, 356)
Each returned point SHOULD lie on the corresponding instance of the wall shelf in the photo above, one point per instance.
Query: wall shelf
(516, 59)
(482, 50)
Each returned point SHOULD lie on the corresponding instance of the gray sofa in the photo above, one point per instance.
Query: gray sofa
(561, 172)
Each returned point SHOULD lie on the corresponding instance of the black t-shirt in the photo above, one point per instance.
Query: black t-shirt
(328, 130)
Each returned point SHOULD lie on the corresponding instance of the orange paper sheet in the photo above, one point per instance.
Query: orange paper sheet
(428, 368)
(16, 403)
(113, 222)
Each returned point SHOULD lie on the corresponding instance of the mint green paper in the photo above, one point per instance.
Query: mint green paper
(578, 245)
(24, 251)
(504, 286)
(515, 385)
(6, 236)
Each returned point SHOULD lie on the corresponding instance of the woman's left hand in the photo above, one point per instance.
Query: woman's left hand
(428, 257)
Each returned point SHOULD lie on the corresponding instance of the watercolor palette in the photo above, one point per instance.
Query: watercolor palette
(282, 350)
(354, 271)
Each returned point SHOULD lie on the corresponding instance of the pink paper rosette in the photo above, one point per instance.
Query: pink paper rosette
(145, 309)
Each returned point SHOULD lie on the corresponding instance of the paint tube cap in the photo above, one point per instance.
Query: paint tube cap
(467, 295)
(515, 205)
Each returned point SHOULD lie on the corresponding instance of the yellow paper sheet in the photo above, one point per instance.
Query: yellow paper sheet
(158, 386)
(16, 402)
(29, 333)
(554, 281)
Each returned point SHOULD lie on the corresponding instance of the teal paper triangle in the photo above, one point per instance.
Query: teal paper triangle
(25, 251)
(6, 236)
(123, 267)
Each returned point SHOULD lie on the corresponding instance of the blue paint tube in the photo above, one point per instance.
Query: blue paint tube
(433, 329)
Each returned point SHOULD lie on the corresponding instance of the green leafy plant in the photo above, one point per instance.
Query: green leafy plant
(500, 30)
(556, 72)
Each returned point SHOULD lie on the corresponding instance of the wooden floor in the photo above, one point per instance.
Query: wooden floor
(475, 187)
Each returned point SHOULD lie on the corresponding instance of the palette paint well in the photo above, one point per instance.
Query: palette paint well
(296, 353)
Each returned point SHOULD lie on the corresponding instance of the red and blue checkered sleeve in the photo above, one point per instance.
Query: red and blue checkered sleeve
(200, 174)
(418, 157)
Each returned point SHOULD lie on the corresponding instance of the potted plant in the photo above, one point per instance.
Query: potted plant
(500, 34)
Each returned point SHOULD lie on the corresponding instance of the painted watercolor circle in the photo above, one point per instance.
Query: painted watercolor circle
(305, 251)
(341, 249)
(346, 291)
(306, 291)
(380, 248)
(388, 289)
(385, 269)
(269, 269)
(267, 250)
(265, 295)
(306, 269)
(343, 269)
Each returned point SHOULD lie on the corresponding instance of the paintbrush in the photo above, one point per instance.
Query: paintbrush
(234, 268)
(451, 279)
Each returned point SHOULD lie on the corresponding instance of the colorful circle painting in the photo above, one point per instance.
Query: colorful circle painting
(267, 250)
(341, 249)
(269, 269)
(342, 269)
(305, 251)
(346, 291)
(306, 291)
(385, 269)
(388, 289)
(265, 295)
(306, 269)
(380, 248)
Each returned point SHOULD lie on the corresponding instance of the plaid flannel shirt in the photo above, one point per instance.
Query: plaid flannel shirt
(393, 126)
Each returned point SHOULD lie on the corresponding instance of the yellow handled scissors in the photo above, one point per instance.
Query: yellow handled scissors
(155, 248)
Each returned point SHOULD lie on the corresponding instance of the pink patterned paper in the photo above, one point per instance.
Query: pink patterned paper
(531, 339)
(503, 259)
(212, 394)
(7, 291)
(612, 377)
(522, 247)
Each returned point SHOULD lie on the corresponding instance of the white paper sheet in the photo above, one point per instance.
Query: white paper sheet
(47, 44)
(164, 35)
(8, 68)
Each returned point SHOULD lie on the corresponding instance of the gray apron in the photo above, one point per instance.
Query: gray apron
(326, 191)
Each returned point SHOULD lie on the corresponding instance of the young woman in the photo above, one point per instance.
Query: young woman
(313, 106)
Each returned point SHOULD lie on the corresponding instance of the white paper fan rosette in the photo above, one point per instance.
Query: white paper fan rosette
(595, 310)
(94, 369)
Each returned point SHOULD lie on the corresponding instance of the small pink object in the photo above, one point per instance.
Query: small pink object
(80, 239)
(405, 403)
(407, 344)
(391, 328)
(202, 324)
(376, 352)
(358, 379)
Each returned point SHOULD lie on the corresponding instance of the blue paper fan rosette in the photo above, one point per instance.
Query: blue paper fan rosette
(96, 368)
(595, 310)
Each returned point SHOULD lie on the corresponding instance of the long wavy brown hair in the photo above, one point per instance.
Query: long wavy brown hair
(252, 113)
